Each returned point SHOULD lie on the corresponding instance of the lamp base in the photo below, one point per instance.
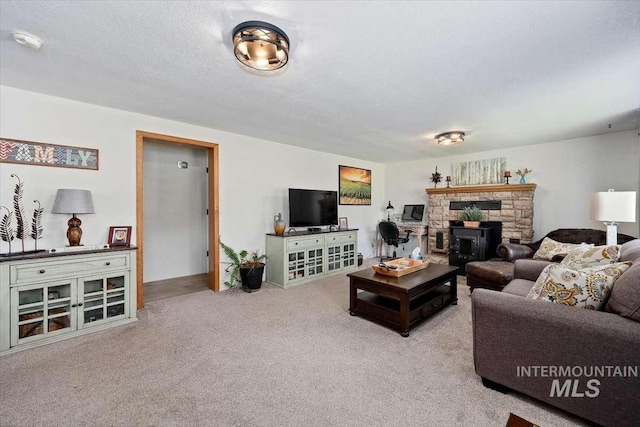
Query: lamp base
(74, 232)
(612, 233)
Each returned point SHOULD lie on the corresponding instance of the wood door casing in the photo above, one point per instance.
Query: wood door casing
(214, 207)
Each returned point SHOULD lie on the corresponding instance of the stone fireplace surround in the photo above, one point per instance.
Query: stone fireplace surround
(516, 213)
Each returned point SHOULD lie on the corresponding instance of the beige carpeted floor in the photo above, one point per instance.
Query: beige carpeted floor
(272, 358)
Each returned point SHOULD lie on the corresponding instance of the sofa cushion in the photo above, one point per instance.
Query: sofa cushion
(585, 288)
(598, 255)
(518, 287)
(625, 295)
(549, 248)
(630, 251)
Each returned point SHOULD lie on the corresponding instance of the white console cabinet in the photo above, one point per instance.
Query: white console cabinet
(297, 258)
(49, 297)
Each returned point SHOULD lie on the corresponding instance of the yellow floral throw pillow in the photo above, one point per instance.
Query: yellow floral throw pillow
(587, 288)
(585, 258)
(550, 248)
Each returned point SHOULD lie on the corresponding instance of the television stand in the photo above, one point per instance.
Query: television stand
(314, 229)
(293, 259)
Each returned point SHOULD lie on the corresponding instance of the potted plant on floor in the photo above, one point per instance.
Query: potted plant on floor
(471, 216)
(244, 268)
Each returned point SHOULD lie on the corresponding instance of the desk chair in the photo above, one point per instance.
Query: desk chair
(391, 235)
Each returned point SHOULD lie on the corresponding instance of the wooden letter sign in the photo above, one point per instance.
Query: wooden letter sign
(43, 154)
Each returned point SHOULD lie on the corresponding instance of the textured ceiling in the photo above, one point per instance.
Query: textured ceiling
(371, 80)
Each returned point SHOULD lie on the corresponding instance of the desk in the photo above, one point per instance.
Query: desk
(418, 230)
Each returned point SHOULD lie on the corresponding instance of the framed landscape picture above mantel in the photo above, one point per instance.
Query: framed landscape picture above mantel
(355, 185)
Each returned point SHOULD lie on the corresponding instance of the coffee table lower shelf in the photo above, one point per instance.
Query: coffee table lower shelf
(387, 310)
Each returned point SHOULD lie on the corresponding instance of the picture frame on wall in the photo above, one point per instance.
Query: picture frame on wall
(343, 223)
(355, 185)
(119, 235)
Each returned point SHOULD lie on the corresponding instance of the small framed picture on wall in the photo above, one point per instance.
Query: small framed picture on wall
(343, 223)
(119, 235)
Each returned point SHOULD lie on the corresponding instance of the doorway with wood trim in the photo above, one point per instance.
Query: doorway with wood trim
(211, 150)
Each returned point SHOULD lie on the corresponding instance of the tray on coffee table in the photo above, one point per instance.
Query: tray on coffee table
(403, 266)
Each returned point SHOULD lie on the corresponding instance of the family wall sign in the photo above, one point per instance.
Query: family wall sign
(43, 154)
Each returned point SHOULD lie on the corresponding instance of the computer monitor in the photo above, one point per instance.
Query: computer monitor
(413, 213)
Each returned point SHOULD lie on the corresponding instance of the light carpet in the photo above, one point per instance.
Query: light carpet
(271, 358)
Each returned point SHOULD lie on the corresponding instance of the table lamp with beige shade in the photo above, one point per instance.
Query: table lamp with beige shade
(613, 207)
(72, 201)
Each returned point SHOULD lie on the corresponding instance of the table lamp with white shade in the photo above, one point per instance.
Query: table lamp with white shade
(613, 207)
(71, 201)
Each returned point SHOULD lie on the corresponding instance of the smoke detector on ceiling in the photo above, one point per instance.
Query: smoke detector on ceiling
(27, 39)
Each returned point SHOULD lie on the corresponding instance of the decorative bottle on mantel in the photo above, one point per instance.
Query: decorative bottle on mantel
(279, 225)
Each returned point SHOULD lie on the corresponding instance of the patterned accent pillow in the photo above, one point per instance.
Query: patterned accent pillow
(587, 288)
(585, 258)
(550, 248)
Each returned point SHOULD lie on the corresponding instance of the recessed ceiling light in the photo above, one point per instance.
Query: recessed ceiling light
(27, 39)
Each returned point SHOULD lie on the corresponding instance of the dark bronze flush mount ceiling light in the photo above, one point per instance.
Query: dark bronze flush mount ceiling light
(450, 138)
(260, 45)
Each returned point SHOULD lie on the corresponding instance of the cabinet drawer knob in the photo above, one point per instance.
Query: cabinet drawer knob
(74, 305)
(80, 304)
(42, 271)
(108, 263)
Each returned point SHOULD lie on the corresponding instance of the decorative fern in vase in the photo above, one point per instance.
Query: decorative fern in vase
(6, 228)
(19, 209)
(36, 224)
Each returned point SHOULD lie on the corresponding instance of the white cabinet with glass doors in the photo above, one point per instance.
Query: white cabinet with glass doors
(53, 298)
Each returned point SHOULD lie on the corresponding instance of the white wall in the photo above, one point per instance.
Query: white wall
(566, 173)
(175, 205)
(254, 173)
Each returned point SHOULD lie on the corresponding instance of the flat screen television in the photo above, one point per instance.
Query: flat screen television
(312, 208)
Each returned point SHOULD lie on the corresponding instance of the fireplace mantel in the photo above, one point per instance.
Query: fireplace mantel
(482, 188)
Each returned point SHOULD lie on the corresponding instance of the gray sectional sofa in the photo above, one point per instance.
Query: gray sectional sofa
(583, 361)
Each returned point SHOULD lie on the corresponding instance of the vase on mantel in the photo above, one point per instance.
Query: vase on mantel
(279, 224)
(523, 180)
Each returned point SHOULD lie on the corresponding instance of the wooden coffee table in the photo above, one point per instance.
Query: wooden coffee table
(402, 302)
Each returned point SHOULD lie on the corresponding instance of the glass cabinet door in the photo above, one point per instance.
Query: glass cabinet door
(348, 255)
(115, 296)
(296, 265)
(41, 310)
(101, 298)
(315, 262)
(334, 257)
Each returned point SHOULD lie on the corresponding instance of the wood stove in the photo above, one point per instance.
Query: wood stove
(473, 244)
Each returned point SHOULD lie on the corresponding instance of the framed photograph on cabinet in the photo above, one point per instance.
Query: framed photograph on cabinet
(355, 185)
(119, 235)
(343, 223)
